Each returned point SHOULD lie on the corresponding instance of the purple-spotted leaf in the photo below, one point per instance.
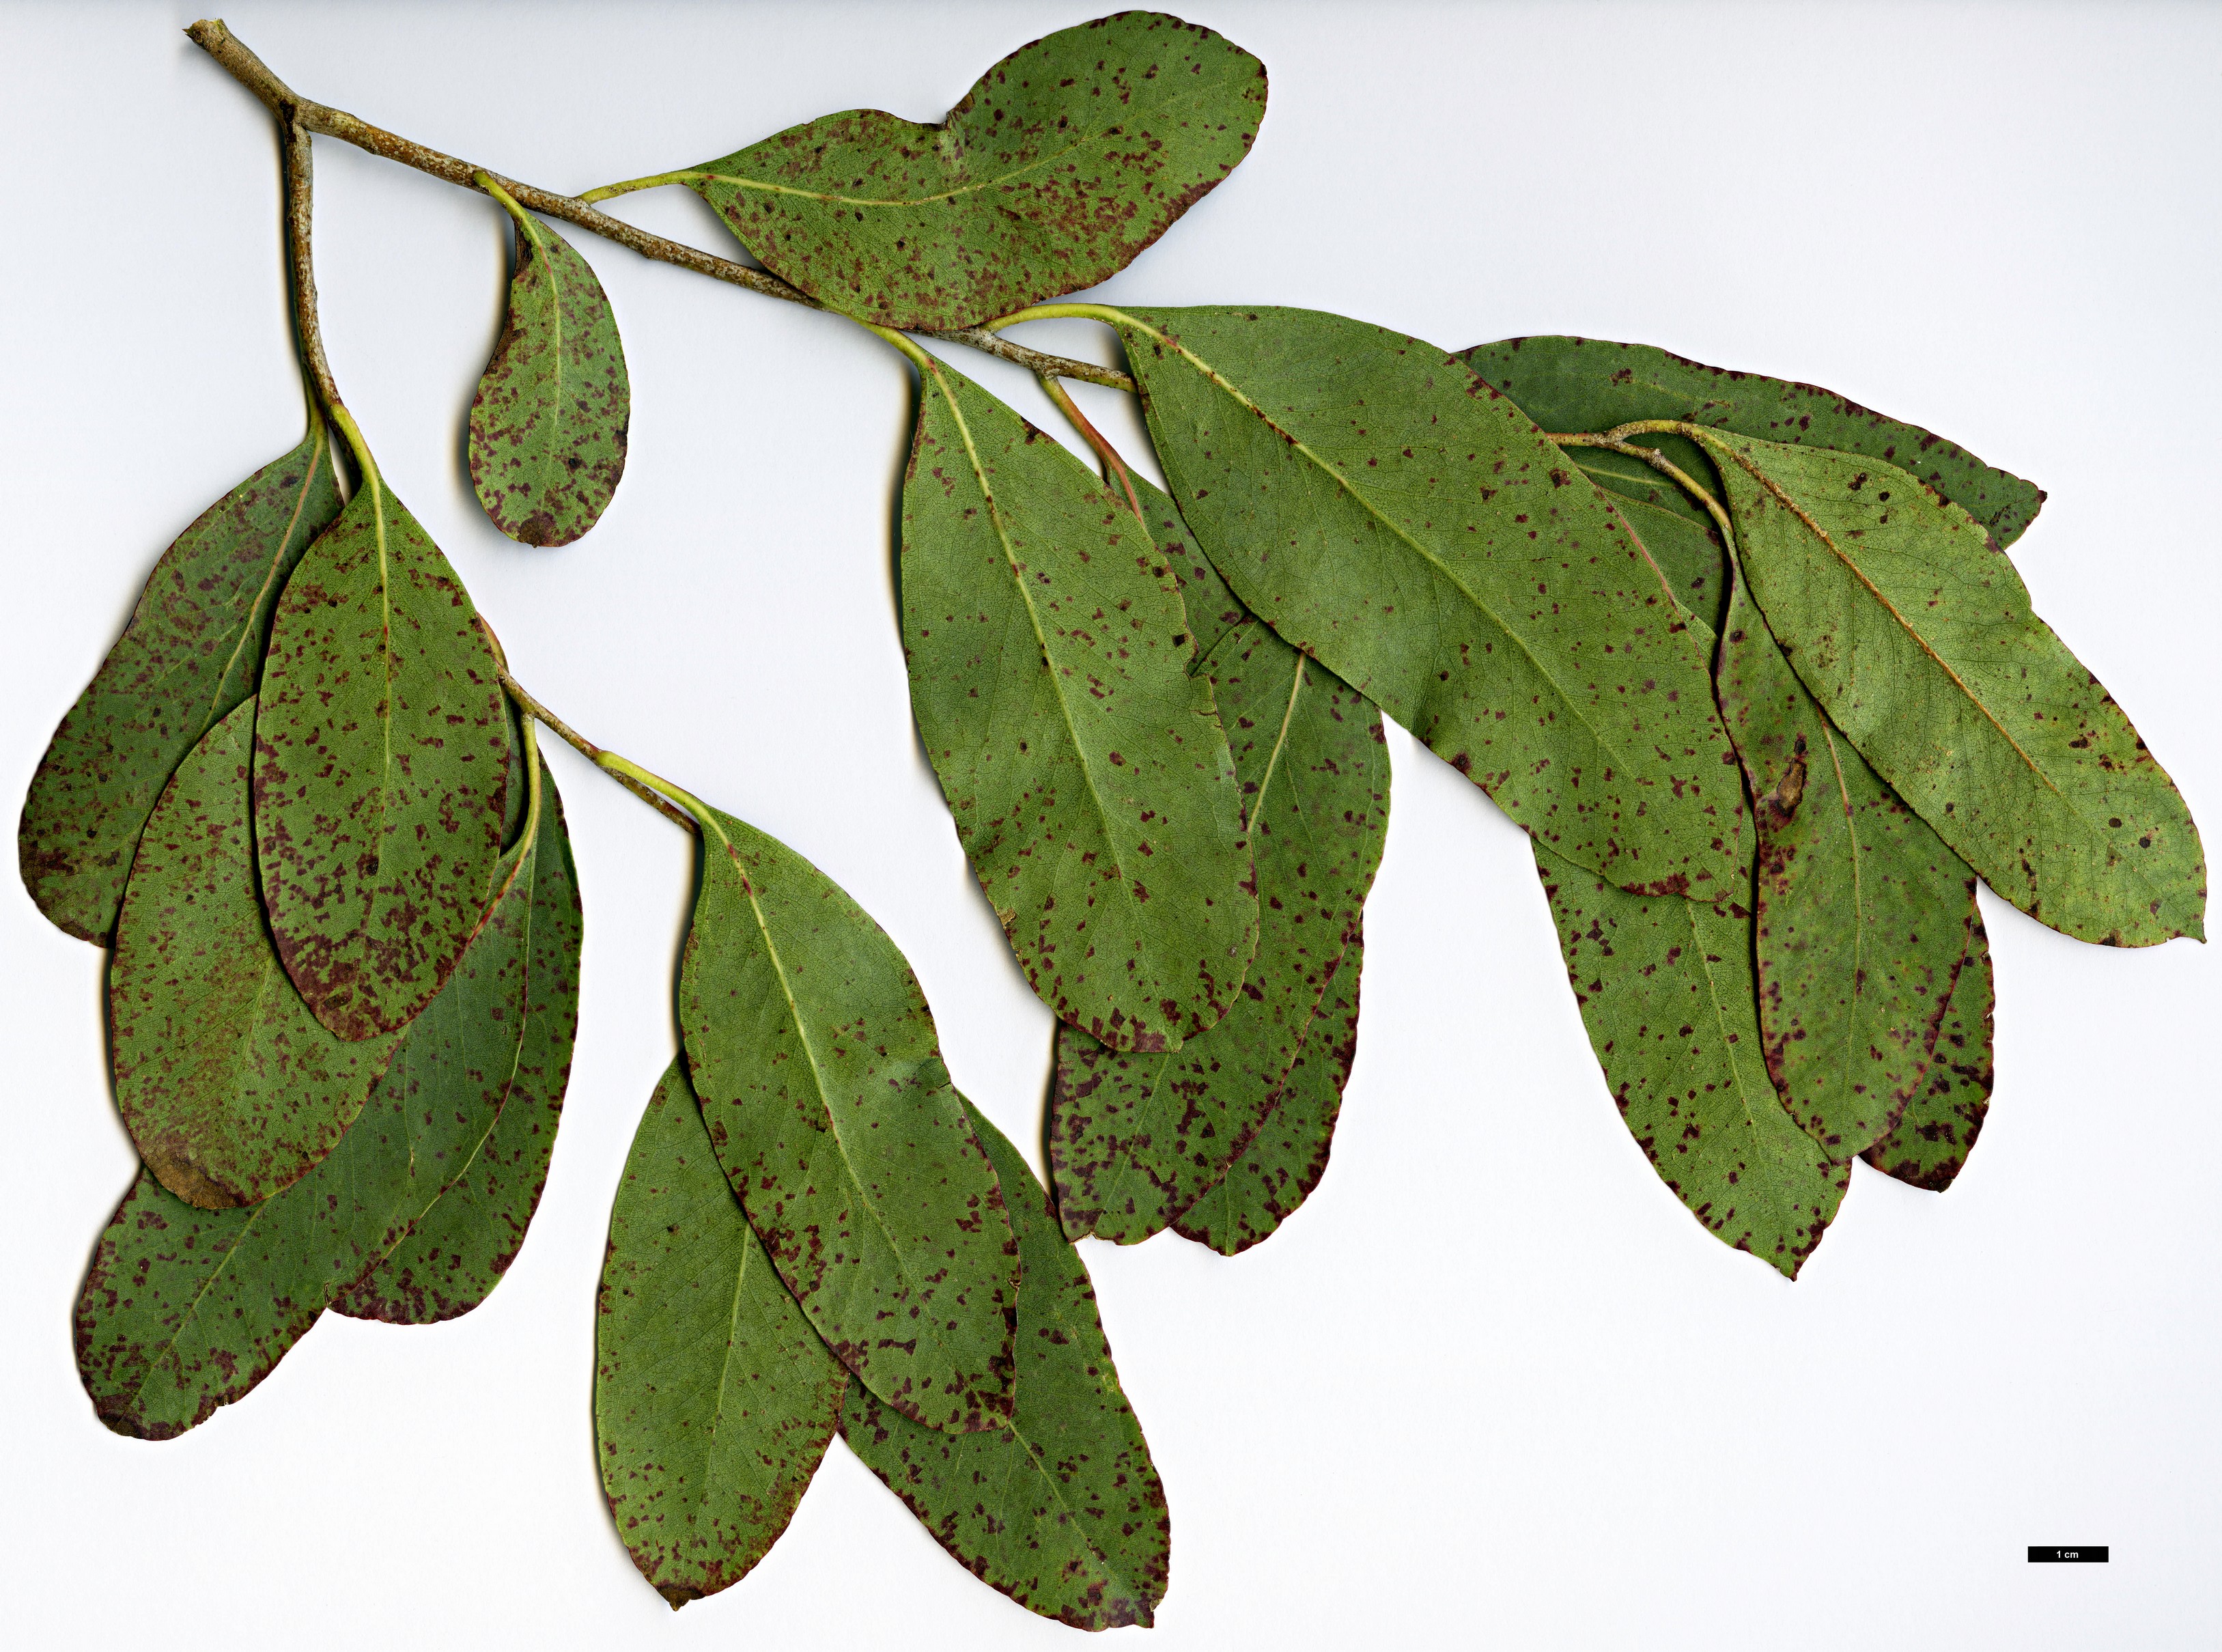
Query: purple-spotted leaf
(822, 1084)
(714, 1400)
(1914, 632)
(1281, 1163)
(1049, 652)
(1060, 1508)
(382, 758)
(231, 1089)
(460, 1248)
(1938, 1129)
(192, 650)
(1665, 986)
(1863, 912)
(548, 424)
(184, 1310)
(1135, 1137)
(1385, 511)
(1065, 161)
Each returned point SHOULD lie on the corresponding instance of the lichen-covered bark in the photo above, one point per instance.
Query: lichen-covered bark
(192, 650)
(1061, 1508)
(1065, 161)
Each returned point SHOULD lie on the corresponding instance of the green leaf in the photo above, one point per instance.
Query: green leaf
(459, 1250)
(1593, 385)
(1375, 504)
(1863, 912)
(1209, 603)
(1915, 633)
(1665, 986)
(1284, 1160)
(823, 1087)
(192, 651)
(382, 752)
(231, 1089)
(1134, 1138)
(1688, 553)
(1065, 161)
(1062, 1508)
(1938, 1131)
(713, 1399)
(184, 1311)
(549, 422)
(1049, 654)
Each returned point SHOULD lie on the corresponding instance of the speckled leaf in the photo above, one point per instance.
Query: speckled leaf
(382, 753)
(459, 1250)
(1062, 1508)
(1575, 384)
(714, 1400)
(1863, 912)
(1665, 986)
(1284, 1160)
(1133, 1138)
(1210, 604)
(1065, 161)
(230, 1088)
(1915, 633)
(1939, 1130)
(184, 1311)
(1391, 515)
(822, 1084)
(192, 651)
(1688, 553)
(549, 422)
(1049, 653)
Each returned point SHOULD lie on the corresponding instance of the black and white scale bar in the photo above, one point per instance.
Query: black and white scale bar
(2086, 1553)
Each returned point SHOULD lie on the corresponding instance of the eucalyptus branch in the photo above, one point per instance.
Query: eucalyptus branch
(300, 262)
(1615, 441)
(607, 762)
(295, 111)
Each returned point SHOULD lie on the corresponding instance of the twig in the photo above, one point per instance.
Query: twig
(579, 743)
(294, 111)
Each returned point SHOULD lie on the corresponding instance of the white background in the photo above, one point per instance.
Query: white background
(1493, 1386)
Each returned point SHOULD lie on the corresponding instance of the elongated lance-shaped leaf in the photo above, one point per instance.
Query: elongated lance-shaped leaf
(1376, 504)
(184, 1311)
(192, 650)
(1915, 633)
(1862, 913)
(1049, 653)
(714, 1400)
(1210, 602)
(460, 1248)
(549, 422)
(1689, 553)
(822, 1084)
(1061, 1509)
(1939, 1130)
(382, 750)
(1133, 1138)
(1666, 991)
(1593, 385)
(1065, 161)
(231, 1089)
(1281, 1163)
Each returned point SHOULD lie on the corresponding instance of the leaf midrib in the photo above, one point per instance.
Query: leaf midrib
(999, 181)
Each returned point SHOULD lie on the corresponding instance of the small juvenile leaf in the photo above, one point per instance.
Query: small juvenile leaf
(549, 422)
(1061, 1508)
(824, 1091)
(192, 651)
(1395, 519)
(1939, 1130)
(1915, 633)
(1065, 161)
(1665, 986)
(230, 1088)
(382, 754)
(1863, 912)
(1593, 384)
(714, 1400)
(184, 1311)
(1284, 1160)
(1133, 1138)
(459, 1250)
(1049, 652)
